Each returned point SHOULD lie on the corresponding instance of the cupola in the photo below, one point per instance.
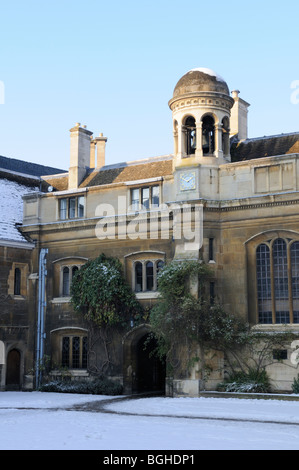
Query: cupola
(201, 107)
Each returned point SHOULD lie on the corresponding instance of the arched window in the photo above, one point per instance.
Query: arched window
(264, 283)
(138, 277)
(145, 274)
(277, 272)
(66, 281)
(190, 132)
(208, 135)
(149, 276)
(67, 273)
(295, 280)
(160, 265)
(74, 270)
(17, 282)
(281, 287)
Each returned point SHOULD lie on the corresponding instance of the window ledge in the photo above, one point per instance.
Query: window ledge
(276, 326)
(61, 300)
(18, 297)
(72, 372)
(147, 295)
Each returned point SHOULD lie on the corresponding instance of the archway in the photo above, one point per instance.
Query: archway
(143, 371)
(208, 135)
(150, 371)
(13, 369)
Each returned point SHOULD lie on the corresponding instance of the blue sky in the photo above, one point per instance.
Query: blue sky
(113, 67)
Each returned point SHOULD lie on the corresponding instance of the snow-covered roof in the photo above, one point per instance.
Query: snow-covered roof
(11, 209)
(208, 71)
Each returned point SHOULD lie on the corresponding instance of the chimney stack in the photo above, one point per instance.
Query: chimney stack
(238, 120)
(79, 155)
(97, 151)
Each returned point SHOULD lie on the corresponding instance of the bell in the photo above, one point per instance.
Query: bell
(205, 140)
(193, 140)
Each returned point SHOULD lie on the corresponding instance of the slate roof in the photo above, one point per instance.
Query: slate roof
(268, 146)
(155, 167)
(120, 173)
(27, 168)
(129, 172)
(59, 182)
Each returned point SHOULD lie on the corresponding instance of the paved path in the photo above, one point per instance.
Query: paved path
(100, 407)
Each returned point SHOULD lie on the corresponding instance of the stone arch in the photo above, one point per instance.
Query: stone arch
(141, 371)
(13, 369)
(208, 133)
(189, 132)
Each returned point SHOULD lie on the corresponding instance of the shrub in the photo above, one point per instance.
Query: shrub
(251, 382)
(97, 386)
(295, 385)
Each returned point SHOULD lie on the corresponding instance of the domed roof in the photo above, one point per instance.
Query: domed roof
(200, 79)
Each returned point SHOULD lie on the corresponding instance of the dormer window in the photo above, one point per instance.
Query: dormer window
(71, 207)
(146, 197)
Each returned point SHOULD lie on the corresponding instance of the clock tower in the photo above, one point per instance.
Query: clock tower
(201, 107)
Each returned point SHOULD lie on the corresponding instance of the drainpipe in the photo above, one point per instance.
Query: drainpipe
(41, 315)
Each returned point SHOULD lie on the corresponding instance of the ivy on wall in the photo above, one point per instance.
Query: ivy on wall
(100, 292)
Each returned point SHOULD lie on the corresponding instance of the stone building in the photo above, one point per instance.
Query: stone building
(241, 195)
(18, 281)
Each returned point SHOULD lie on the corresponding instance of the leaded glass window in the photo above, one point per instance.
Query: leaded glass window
(74, 352)
(138, 277)
(65, 362)
(263, 283)
(277, 272)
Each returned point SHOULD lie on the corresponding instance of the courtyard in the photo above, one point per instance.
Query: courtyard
(55, 421)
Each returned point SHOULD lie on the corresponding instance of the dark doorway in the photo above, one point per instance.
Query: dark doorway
(13, 370)
(151, 370)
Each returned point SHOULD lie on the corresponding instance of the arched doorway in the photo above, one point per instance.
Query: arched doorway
(150, 369)
(13, 370)
(143, 371)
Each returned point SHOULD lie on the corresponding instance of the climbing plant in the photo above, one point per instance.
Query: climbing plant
(100, 292)
(185, 318)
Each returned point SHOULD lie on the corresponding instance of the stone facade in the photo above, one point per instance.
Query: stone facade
(247, 191)
(18, 280)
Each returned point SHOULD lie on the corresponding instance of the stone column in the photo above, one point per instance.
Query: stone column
(218, 141)
(180, 142)
(198, 152)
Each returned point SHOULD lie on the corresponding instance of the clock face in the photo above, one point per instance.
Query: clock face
(187, 181)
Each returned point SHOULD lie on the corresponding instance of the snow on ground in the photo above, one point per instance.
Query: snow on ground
(234, 408)
(38, 421)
